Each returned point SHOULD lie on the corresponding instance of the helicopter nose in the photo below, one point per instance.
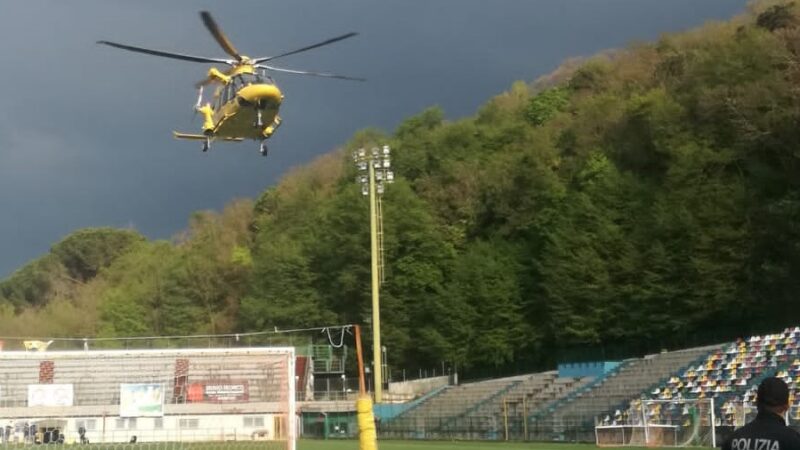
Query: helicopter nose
(261, 94)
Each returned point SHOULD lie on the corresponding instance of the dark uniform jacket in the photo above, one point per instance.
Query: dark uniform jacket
(767, 431)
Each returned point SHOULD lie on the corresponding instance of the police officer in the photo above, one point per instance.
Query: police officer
(768, 431)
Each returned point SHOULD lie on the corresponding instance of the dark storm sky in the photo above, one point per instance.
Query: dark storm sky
(85, 130)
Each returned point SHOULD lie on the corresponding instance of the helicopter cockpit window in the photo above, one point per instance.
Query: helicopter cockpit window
(226, 93)
(246, 79)
(236, 83)
(263, 77)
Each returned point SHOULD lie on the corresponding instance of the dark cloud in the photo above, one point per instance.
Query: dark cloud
(85, 130)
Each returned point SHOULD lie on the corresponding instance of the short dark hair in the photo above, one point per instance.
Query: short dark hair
(772, 392)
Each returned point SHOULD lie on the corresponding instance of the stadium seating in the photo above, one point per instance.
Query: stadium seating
(529, 394)
(534, 393)
(545, 407)
(451, 402)
(96, 381)
(635, 375)
(730, 375)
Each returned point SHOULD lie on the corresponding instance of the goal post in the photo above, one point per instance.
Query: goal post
(659, 423)
(231, 397)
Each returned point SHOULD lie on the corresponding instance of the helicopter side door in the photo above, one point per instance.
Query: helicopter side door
(222, 104)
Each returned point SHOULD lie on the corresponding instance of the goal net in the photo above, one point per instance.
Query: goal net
(157, 399)
(659, 423)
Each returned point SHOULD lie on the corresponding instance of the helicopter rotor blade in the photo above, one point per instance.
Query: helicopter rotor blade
(320, 44)
(219, 36)
(147, 51)
(305, 72)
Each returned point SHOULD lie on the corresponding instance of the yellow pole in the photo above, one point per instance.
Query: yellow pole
(367, 437)
(376, 313)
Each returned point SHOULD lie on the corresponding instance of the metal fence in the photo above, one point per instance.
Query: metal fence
(488, 427)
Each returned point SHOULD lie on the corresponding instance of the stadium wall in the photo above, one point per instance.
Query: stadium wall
(586, 369)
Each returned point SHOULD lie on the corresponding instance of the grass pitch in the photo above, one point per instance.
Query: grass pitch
(443, 445)
(333, 444)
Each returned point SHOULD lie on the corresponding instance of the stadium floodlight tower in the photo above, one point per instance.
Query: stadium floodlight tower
(374, 173)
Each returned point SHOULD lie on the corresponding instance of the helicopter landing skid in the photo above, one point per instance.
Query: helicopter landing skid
(207, 142)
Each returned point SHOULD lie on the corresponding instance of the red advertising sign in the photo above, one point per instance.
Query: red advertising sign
(218, 391)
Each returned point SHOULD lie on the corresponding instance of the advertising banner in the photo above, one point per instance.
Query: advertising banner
(141, 400)
(50, 395)
(213, 391)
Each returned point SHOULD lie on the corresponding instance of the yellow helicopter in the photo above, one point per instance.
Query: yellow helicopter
(247, 100)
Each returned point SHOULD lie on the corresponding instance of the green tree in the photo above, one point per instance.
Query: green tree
(546, 105)
(85, 252)
(484, 296)
(282, 290)
(586, 264)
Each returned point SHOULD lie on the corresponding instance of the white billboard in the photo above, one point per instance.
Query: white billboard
(50, 395)
(141, 400)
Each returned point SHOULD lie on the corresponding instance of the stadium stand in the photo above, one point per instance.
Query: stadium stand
(476, 410)
(191, 394)
(529, 393)
(731, 374)
(544, 406)
(427, 419)
(575, 417)
(96, 381)
(535, 393)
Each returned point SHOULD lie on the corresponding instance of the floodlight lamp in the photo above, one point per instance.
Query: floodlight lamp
(379, 176)
(364, 189)
(362, 165)
(362, 153)
(376, 163)
(379, 188)
(387, 163)
(390, 176)
(386, 150)
(355, 156)
(375, 151)
(363, 179)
